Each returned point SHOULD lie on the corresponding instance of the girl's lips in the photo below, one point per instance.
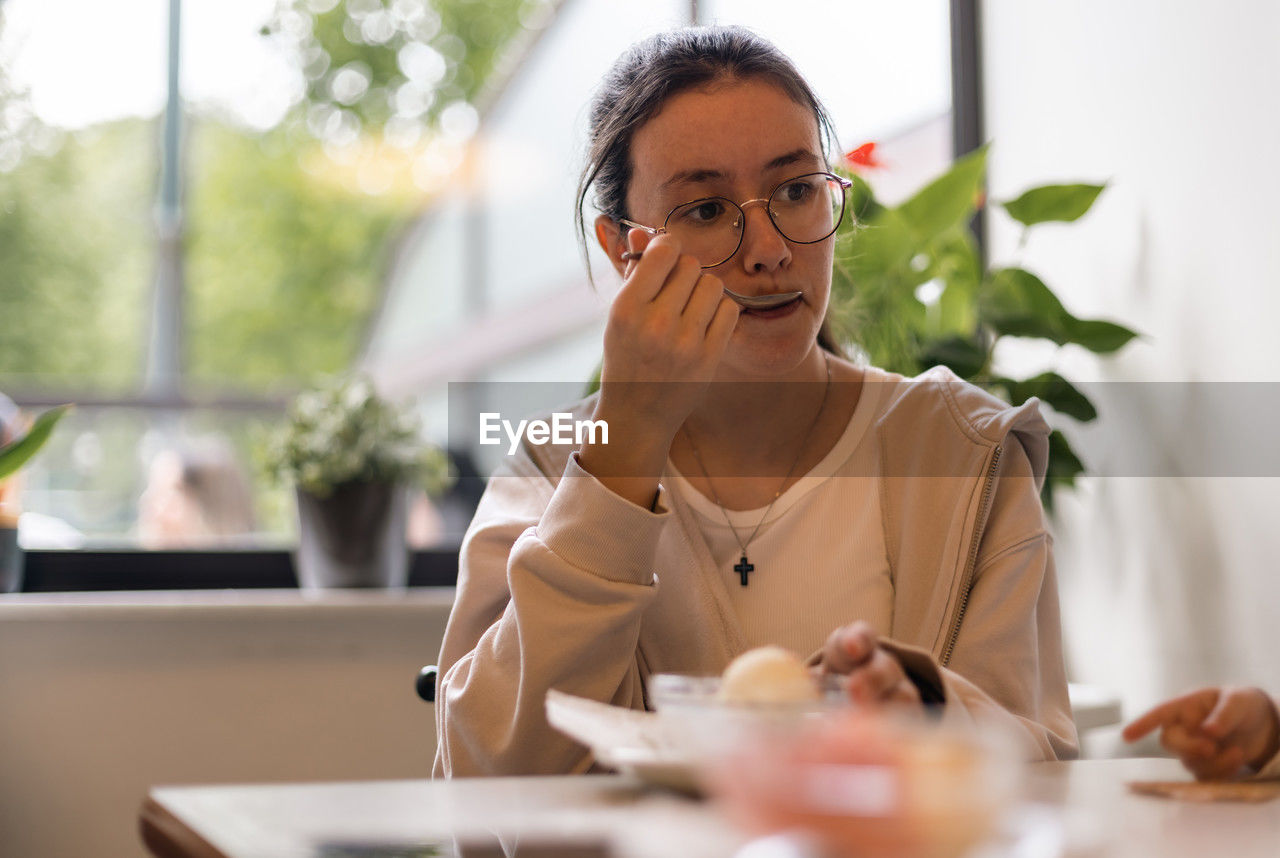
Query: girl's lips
(777, 312)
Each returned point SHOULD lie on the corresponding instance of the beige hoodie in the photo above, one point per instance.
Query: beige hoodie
(563, 584)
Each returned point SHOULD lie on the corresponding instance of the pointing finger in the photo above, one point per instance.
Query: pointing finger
(1188, 708)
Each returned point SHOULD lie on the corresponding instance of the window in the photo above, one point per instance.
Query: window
(179, 262)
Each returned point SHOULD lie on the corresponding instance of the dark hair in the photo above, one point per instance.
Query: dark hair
(654, 70)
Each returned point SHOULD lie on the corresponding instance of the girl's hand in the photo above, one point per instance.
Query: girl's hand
(1215, 731)
(666, 334)
(668, 328)
(874, 675)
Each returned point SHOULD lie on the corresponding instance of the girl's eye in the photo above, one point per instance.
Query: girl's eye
(707, 211)
(702, 212)
(795, 192)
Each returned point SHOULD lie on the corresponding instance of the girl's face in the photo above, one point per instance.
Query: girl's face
(739, 139)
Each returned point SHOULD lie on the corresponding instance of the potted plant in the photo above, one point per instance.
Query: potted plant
(14, 453)
(351, 456)
(911, 290)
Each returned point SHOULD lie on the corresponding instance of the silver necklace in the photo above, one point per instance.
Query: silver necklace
(743, 567)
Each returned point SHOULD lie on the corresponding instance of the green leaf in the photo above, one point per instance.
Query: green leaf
(948, 200)
(1017, 303)
(965, 357)
(1051, 388)
(1100, 336)
(17, 453)
(863, 205)
(593, 383)
(1064, 467)
(956, 264)
(878, 246)
(1064, 464)
(1062, 203)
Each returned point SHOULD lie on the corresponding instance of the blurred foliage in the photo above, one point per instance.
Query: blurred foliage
(282, 269)
(20, 450)
(910, 289)
(343, 432)
(405, 65)
(284, 261)
(76, 257)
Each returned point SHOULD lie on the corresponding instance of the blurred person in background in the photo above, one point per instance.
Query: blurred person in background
(195, 497)
(443, 520)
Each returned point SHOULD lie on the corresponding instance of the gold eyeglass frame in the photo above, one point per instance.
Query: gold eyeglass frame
(845, 185)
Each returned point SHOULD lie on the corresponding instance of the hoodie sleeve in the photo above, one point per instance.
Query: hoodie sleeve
(552, 581)
(1007, 663)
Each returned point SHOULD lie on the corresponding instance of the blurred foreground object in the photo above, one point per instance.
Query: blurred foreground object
(351, 457)
(860, 785)
(768, 674)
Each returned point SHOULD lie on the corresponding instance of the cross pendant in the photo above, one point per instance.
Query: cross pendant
(743, 568)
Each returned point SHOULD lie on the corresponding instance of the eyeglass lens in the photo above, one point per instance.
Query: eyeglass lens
(805, 210)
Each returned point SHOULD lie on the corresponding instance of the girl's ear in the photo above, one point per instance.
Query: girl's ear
(613, 241)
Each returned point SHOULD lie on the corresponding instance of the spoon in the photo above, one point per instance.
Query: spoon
(763, 302)
(747, 302)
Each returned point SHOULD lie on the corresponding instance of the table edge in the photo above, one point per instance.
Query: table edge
(167, 836)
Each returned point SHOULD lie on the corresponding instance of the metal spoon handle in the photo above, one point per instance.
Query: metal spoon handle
(749, 302)
(763, 302)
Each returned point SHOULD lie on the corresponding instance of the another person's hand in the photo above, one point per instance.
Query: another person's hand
(1215, 731)
(874, 677)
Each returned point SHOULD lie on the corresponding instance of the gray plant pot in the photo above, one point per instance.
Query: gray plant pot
(355, 537)
(10, 561)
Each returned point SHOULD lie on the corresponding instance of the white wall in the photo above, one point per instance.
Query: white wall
(103, 696)
(1168, 582)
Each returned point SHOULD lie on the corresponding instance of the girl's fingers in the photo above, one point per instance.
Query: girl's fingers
(867, 684)
(882, 680)
(906, 694)
(722, 324)
(703, 303)
(645, 276)
(679, 285)
(848, 647)
(637, 241)
(883, 674)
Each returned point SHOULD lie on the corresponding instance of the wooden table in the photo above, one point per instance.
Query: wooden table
(1083, 804)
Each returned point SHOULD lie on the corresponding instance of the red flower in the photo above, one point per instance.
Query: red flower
(863, 156)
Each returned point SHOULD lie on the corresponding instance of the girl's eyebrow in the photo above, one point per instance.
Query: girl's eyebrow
(698, 175)
(694, 176)
(793, 157)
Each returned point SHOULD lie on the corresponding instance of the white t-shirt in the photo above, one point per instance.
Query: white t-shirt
(819, 558)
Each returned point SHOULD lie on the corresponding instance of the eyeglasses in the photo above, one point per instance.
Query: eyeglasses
(804, 209)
